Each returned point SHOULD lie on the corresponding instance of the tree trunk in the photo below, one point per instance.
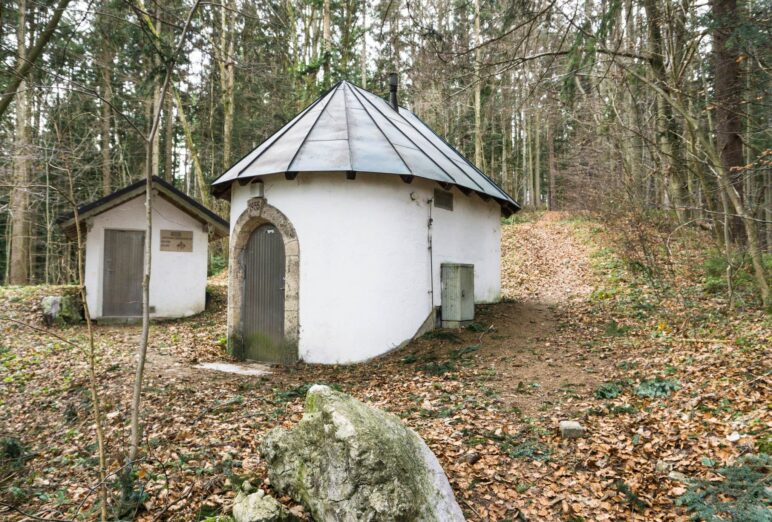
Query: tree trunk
(751, 235)
(155, 166)
(667, 125)
(91, 356)
(537, 164)
(728, 97)
(768, 208)
(227, 79)
(363, 58)
(552, 167)
(527, 162)
(24, 65)
(396, 41)
(169, 139)
(105, 120)
(504, 140)
(192, 149)
(144, 337)
(478, 143)
(326, 44)
(20, 204)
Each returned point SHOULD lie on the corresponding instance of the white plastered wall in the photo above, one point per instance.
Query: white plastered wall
(177, 279)
(365, 284)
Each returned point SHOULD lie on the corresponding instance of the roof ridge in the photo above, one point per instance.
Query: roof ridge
(348, 127)
(384, 134)
(438, 149)
(329, 96)
(279, 133)
(411, 141)
(465, 159)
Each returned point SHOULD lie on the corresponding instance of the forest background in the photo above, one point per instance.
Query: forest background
(649, 112)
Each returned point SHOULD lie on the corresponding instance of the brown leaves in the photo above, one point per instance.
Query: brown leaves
(491, 419)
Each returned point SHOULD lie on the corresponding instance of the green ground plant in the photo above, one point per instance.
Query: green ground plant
(657, 387)
(743, 494)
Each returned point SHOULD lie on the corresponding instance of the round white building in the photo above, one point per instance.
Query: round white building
(341, 223)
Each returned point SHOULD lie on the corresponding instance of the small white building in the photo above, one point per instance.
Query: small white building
(114, 231)
(340, 224)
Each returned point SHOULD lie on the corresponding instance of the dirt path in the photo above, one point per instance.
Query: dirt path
(545, 271)
(543, 262)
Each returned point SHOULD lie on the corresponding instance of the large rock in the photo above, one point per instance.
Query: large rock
(259, 507)
(61, 309)
(346, 461)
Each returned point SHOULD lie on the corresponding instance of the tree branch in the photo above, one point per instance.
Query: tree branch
(23, 67)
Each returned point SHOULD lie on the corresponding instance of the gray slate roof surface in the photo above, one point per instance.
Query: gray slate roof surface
(350, 129)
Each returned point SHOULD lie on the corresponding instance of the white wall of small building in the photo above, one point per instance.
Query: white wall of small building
(365, 284)
(177, 279)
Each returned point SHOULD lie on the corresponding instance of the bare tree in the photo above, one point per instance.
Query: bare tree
(149, 141)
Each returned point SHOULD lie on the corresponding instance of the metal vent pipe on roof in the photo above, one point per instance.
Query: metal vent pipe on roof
(393, 80)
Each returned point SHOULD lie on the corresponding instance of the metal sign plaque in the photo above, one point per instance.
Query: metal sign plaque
(176, 241)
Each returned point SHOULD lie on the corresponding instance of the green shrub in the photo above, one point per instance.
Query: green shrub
(742, 496)
(461, 352)
(657, 387)
(624, 409)
(526, 216)
(209, 513)
(476, 327)
(764, 444)
(608, 390)
(633, 500)
(616, 330)
(523, 445)
(527, 449)
(12, 452)
(217, 264)
(442, 335)
(437, 368)
(601, 294)
(714, 272)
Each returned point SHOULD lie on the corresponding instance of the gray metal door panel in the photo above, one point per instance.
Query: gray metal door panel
(263, 301)
(122, 281)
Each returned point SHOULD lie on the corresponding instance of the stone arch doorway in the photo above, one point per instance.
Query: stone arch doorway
(252, 229)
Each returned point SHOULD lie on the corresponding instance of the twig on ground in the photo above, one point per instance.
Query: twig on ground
(30, 515)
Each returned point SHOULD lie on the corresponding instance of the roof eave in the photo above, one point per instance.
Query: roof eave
(218, 226)
(222, 190)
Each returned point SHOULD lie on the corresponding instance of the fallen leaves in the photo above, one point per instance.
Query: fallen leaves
(487, 403)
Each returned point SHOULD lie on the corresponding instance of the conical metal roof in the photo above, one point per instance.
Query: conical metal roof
(349, 129)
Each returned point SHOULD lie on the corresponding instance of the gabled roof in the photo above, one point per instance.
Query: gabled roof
(349, 129)
(196, 210)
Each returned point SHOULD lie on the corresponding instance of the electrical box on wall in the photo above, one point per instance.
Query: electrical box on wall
(457, 294)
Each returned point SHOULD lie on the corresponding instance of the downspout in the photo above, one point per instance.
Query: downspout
(430, 201)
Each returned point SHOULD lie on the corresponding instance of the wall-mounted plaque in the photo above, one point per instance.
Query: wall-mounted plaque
(176, 241)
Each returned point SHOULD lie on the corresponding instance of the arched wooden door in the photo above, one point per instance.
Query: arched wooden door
(263, 297)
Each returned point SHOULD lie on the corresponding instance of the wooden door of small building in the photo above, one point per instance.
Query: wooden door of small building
(263, 297)
(122, 281)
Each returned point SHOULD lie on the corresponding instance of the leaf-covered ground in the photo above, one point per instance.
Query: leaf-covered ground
(670, 387)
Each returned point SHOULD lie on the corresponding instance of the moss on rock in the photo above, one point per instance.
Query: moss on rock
(347, 461)
(62, 309)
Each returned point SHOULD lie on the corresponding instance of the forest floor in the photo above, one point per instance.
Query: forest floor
(670, 387)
